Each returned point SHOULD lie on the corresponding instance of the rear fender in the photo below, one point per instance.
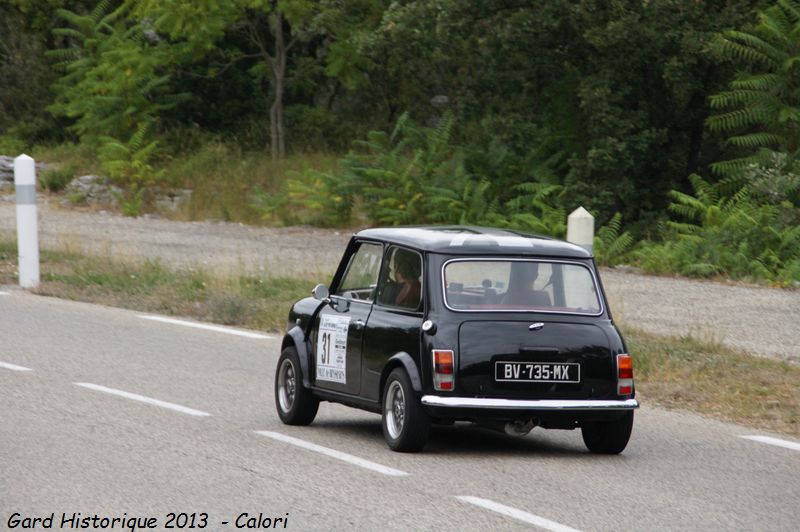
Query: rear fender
(402, 360)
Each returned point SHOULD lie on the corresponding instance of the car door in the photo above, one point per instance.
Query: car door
(396, 318)
(339, 327)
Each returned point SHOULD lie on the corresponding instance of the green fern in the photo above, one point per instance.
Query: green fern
(129, 165)
(762, 108)
(414, 175)
(610, 244)
(722, 231)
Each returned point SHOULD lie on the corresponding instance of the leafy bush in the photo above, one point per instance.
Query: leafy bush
(55, 179)
(736, 235)
(113, 80)
(536, 209)
(413, 175)
(398, 174)
(389, 175)
(129, 165)
(306, 198)
(11, 145)
(773, 177)
(316, 128)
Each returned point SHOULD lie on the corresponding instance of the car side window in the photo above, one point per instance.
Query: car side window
(361, 277)
(400, 284)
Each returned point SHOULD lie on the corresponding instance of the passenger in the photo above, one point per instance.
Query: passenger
(520, 287)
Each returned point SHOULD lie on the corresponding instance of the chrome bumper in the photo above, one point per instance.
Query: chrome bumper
(518, 404)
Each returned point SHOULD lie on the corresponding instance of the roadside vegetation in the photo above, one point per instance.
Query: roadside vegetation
(684, 373)
(675, 124)
(705, 377)
(237, 300)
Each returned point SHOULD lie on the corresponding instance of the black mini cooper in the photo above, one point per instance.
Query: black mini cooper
(431, 325)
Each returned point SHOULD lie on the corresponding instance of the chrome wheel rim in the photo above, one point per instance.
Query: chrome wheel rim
(287, 385)
(395, 409)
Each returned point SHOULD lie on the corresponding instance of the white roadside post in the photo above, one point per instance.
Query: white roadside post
(580, 231)
(27, 223)
(580, 228)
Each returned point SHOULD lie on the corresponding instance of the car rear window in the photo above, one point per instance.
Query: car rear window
(520, 285)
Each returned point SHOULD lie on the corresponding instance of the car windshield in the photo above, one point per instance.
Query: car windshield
(520, 285)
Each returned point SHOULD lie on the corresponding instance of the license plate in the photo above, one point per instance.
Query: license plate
(536, 372)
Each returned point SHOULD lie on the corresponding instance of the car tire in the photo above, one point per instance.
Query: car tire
(608, 437)
(295, 404)
(405, 423)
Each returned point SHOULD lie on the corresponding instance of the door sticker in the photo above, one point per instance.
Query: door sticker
(332, 349)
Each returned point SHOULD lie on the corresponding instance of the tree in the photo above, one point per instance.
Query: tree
(761, 108)
(610, 96)
(273, 28)
(25, 72)
(113, 79)
(294, 16)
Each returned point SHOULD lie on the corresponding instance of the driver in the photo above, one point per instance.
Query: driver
(407, 272)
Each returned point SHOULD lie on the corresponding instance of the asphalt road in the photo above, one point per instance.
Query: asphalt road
(70, 448)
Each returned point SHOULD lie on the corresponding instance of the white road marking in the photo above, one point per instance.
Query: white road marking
(216, 328)
(349, 458)
(14, 367)
(4, 293)
(143, 399)
(774, 441)
(508, 511)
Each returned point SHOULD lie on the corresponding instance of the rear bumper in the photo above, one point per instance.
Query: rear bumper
(561, 405)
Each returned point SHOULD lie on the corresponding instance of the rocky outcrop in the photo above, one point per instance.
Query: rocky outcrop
(7, 171)
(171, 200)
(92, 189)
(99, 191)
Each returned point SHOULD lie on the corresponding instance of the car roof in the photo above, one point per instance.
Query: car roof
(469, 240)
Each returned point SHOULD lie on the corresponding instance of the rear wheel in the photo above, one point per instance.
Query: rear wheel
(608, 437)
(405, 424)
(295, 404)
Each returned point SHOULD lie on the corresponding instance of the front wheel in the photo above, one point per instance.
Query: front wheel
(608, 437)
(405, 424)
(295, 403)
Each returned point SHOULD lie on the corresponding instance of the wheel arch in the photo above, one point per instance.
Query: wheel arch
(401, 360)
(296, 338)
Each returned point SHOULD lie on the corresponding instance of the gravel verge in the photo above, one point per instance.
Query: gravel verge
(757, 320)
(218, 247)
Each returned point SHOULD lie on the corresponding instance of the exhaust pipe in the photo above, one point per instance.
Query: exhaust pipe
(512, 428)
(520, 428)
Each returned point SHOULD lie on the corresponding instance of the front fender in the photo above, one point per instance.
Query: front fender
(297, 338)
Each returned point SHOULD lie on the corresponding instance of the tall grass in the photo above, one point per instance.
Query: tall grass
(223, 179)
(242, 300)
(705, 377)
(81, 158)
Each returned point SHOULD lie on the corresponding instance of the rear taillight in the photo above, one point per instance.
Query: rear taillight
(443, 370)
(624, 375)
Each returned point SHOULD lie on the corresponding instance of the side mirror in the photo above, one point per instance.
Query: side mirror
(321, 293)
